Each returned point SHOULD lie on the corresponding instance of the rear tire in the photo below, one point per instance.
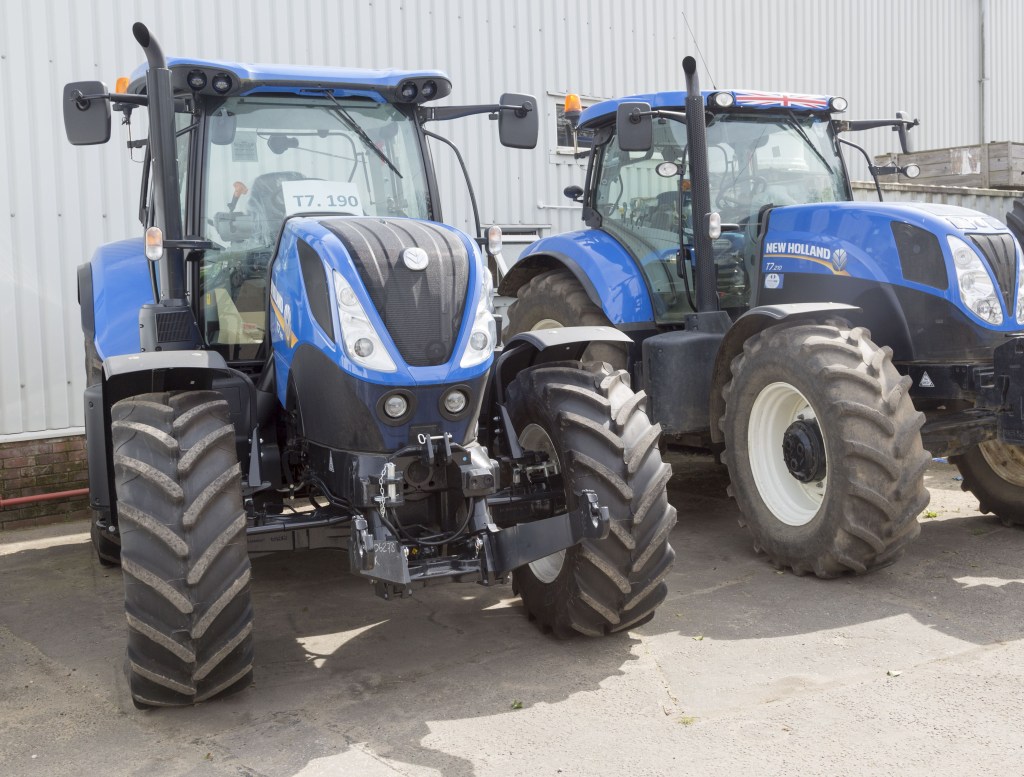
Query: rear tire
(994, 472)
(183, 548)
(555, 299)
(599, 435)
(857, 509)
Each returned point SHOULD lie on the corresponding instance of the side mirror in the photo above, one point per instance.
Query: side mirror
(86, 113)
(222, 128)
(518, 123)
(574, 193)
(634, 127)
(901, 131)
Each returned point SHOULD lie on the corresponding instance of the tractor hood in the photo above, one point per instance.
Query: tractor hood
(868, 240)
(419, 283)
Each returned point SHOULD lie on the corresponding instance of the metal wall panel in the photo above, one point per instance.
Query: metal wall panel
(57, 202)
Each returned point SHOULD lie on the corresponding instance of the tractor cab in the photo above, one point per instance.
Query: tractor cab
(256, 147)
(763, 151)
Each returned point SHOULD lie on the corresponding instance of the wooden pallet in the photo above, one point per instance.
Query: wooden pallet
(989, 166)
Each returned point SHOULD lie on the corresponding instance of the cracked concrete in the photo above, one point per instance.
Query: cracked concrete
(910, 670)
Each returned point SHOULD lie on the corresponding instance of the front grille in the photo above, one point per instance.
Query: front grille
(174, 327)
(422, 309)
(1001, 254)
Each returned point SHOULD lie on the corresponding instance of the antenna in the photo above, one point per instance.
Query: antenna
(699, 52)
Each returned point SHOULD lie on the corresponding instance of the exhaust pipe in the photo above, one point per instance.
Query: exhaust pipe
(700, 190)
(162, 147)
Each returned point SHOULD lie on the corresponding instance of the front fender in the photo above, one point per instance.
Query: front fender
(129, 375)
(542, 346)
(607, 272)
(120, 286)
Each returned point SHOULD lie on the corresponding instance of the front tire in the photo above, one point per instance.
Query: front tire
(595, 429)
(183, 548)
(824, 449)
(994, 472)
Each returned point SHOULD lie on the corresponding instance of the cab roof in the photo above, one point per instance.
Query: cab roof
(247, 77)
(772, 101)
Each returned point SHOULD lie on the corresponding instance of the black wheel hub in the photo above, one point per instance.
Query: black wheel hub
(803, 450)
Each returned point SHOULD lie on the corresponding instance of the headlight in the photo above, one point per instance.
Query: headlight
(483, 336)
(977, 290)
(396, 406)
(362, 344)
(455, 401)
(723, 99)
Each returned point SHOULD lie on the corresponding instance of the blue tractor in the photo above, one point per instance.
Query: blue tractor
(300, 353)
(826, 344)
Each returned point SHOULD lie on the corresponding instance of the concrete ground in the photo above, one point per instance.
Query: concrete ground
(915, 669)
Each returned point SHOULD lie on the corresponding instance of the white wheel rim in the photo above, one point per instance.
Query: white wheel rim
(777, 406)
(535, 438)
(548, 323)
(1007, 461)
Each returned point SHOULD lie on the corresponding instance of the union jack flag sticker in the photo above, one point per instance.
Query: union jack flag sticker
(779, 100)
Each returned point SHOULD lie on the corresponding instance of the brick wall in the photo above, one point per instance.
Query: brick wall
(38, 467)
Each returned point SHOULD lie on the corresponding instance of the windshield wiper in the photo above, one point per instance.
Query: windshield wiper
(346, 119)
(803, 134)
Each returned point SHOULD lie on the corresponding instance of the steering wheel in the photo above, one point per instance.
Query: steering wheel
(732, 197)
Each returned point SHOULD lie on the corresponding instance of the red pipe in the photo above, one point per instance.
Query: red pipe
(25, 500)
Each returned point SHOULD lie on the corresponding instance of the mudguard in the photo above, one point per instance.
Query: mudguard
(542, 346)
(141, 373)
(607, 272)
(112, 288)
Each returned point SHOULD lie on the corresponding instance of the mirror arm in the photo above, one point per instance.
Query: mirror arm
(674, 115)
(871, 167)
(449, 112)
(858, 126)
(465, 174)
(656, 113)
(83, 100)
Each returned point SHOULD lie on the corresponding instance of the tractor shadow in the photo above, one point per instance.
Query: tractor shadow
(342, 677)
(346, 682)
(962, 577)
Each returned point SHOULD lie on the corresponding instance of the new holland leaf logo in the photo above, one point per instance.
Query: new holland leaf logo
(839, 259)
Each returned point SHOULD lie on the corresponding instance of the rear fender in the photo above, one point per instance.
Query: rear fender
(607, 272)
(748, 325)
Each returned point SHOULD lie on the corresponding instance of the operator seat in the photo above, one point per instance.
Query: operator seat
(665, 214)
(267, 206)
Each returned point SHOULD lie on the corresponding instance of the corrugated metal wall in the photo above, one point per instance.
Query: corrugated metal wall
(57, 203)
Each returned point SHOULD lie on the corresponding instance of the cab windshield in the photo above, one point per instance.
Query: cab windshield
(271, 156)
(754, 160)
